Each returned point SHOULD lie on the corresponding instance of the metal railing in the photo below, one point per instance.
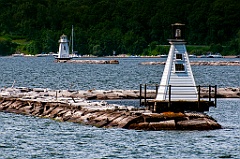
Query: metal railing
(212, 92)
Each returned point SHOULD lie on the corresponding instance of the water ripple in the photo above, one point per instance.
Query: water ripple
(31, 137)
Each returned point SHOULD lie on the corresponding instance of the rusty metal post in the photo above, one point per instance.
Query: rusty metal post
(199, 94)
(215, 95)
(145, 95)
(209, 92)
(140, 95)
(169, 96)
(156, 90)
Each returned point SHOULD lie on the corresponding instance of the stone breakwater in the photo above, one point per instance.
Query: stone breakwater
(90, 61)
(200, 63)
(101, 114)
(223, 92)
(33, 93)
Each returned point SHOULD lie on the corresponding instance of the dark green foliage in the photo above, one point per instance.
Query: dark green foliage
(124, 26)
(198, 49)
(7, 47)
(216, 48)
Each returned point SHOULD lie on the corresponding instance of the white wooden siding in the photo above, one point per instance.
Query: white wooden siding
(183, 78)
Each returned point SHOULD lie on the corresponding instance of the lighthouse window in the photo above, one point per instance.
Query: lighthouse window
(179, 56)
(64, 48)
(179, 67)
(178, 33)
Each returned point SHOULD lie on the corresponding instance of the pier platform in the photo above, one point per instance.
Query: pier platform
(178, 106)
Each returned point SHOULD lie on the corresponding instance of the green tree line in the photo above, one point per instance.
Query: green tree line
(125, 26)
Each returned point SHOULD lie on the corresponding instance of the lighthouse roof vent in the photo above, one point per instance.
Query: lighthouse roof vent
(63, 38)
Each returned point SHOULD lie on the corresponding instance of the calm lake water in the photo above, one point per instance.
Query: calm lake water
(32, 137)
(42, 72)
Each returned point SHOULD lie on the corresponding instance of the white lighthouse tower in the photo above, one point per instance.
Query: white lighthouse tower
(63, 51)
(177, 81)
(177, 91)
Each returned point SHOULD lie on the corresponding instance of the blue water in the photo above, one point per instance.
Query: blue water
(42, 72)
(32, 137)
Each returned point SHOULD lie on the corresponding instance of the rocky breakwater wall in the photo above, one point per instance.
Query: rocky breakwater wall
(200, 63)
(90, 61)
(102, 114)
(92, 94)
(227, 92)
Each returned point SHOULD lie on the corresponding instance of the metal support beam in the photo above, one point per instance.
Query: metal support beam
(169, 96)
(215, 96)
(145, 95)
(140, 95)
(209, 93)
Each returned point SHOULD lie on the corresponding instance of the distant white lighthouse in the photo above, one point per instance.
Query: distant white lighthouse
(63, 51)
(177, 81)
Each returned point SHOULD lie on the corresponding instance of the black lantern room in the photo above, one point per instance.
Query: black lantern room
(178, 32)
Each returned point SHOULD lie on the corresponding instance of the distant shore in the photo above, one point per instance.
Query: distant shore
(118, 56)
